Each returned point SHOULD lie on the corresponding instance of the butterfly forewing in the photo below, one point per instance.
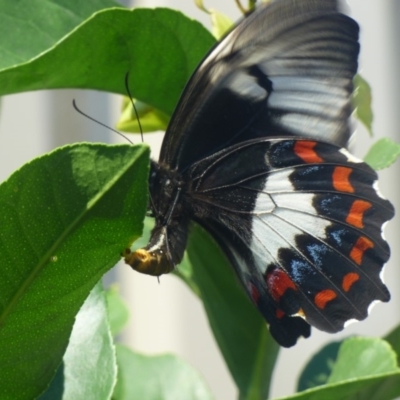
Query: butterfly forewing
(286, 69)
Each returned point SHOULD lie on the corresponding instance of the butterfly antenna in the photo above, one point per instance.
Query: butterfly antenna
(133, 104)
(98, 122)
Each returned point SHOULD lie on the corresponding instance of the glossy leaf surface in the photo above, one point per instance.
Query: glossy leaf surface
(66, 217)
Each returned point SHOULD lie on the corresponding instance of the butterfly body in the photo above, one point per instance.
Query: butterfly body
(255, 154)
(169, 236)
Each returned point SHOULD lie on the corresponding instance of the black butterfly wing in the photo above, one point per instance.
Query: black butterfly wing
(300, 219)
(286, 69)
(301, 222)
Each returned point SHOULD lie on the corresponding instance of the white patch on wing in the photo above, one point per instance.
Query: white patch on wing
(264, 204)
(305, 102)
(310, 224)
(284, 228)
(265, 242)
(270, 234)
(246, 85)
(311, 126)
(302, 202)
(280, 214)
(334, 86)
(350, 156)
(159, 243)
(279, 181)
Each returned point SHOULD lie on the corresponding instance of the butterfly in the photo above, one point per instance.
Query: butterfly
(256, 154)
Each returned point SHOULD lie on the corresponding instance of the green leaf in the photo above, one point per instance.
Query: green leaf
(393, 338)
(89, 368)
(113, 42)
(118, 312)
(65, 219)
(221, 23)
(29, 27)
(366, 368)
(157, 377)
(317, 370)
(380, 387)
(185, 271)
(239, 329)
(382, 154)
(359, 357)
(150, 118)
(362, 102)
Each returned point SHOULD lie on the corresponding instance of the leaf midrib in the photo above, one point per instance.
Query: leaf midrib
(58, 243)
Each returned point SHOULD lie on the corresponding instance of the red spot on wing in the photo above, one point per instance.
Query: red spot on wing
(356, 213)
(279, 313)
(358, 250)
(348, 280)
(323, 297)
(305, 150)
(278, 282)
(340, 179)
(254, 293)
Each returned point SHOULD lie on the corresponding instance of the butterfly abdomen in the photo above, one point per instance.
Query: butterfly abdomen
(169, 235)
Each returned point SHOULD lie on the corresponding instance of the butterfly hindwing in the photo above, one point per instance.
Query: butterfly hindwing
(301, 221)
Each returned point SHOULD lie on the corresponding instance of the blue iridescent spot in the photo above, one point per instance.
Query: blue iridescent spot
(328, 201)
(317, 251)
(337, 236)
(309, 170)
(301, 270)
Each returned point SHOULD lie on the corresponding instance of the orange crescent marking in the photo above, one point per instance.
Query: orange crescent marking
(358, 250)
(356, 213)
(278, 282)
(348, 280)
(305, 150)
(322, 298)
(340, 179)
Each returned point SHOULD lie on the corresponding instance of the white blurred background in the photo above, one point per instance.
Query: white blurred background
(165, 316)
